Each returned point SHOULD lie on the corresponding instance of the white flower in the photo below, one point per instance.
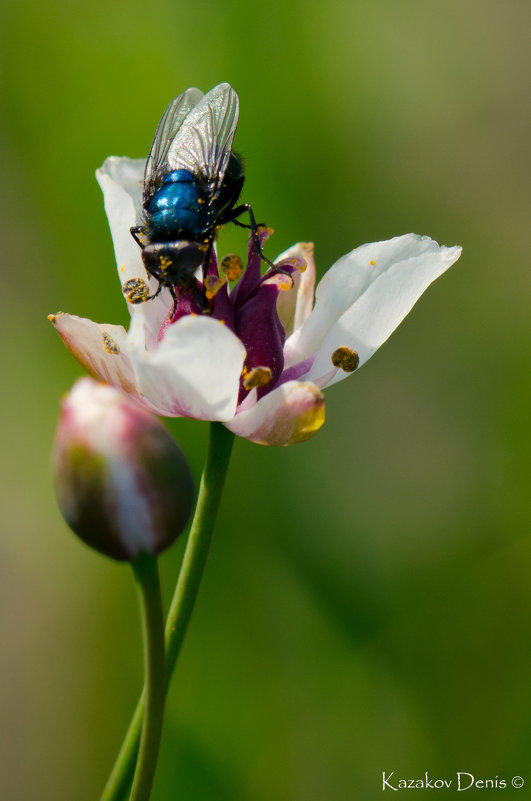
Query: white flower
(260, 358)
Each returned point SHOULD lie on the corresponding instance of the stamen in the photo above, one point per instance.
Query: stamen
(294, 262)
(345, 358)
(136, 290)
(232, 266)
(283, 281)
(257, 377)
(109, 344)
(265, 230)
(213, 284)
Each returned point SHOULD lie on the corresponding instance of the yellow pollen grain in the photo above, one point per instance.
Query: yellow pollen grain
(51, 318)
(165, 263)
(257, 377)
(345, 358)
(372, 263)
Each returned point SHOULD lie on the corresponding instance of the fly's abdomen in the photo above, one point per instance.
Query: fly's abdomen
(178, 210)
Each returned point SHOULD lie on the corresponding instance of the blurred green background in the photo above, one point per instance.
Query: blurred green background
(367, 602)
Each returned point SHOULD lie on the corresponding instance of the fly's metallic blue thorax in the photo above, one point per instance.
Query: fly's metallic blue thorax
(178, 209)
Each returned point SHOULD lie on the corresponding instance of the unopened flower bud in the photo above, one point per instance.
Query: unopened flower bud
(122, 482)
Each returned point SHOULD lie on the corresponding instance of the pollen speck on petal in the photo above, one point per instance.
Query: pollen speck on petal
(98, 348)
(109, 344)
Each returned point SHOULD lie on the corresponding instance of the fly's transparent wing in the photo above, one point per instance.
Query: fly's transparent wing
(157, 166)
(203, 143)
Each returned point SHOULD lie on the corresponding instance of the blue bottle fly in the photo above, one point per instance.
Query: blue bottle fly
(192, 182)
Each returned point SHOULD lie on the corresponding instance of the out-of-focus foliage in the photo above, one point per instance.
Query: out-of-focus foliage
(367, 603)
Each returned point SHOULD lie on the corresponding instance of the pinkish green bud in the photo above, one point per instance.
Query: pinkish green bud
(122, 482)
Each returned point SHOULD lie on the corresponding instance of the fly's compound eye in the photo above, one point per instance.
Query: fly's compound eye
(136, 290)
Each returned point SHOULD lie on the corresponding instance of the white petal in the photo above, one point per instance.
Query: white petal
(121, 180)
(194, 371)
(94, 345)
(295, 305)
(292, 413)
(410, 265)
(347, 281)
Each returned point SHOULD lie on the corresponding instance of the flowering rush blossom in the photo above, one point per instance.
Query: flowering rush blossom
(259, 357)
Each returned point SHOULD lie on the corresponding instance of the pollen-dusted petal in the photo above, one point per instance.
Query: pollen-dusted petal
(98, 348)
(194, 372)
(369, 321)
(366, 294)
(294, 307)
(121, 181)
(292, 413)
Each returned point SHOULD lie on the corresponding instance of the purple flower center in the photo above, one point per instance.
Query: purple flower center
(249, 309)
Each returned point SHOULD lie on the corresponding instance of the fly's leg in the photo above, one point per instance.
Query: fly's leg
(174, 298)
(136, 231)
(157, 293)
(208, 256)
(233, 214)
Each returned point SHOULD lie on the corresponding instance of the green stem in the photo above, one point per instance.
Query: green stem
(147, 577)
(212, 481)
